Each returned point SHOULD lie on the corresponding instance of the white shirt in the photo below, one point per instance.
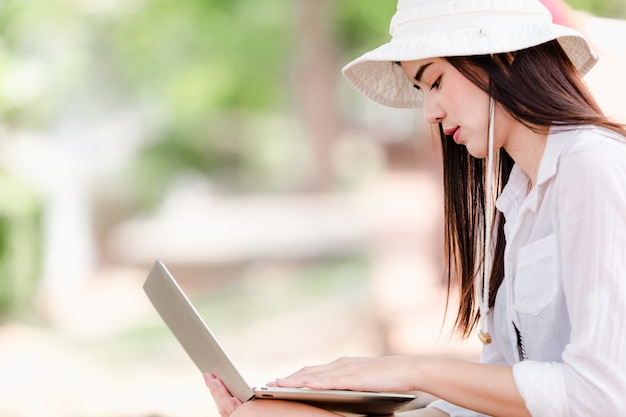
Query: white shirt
(565, 279)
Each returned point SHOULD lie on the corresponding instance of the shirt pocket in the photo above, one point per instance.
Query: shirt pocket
(536, 282)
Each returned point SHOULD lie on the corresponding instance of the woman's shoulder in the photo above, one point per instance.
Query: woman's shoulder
(593, 151)
(590, 140)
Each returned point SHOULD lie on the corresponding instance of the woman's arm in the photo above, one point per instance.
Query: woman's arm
(487, 389)
(422, 412)
(229, 406)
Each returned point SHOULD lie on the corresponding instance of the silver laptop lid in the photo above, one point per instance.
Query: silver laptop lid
(184, 321)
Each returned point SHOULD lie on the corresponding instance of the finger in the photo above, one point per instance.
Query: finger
(216, 386)
(341, 367)
(315, 380)
(318, 370)
(302, 378)
(344, 373)
(208, 380)
(226, 404)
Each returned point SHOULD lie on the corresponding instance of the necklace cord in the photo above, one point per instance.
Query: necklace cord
(484, 277)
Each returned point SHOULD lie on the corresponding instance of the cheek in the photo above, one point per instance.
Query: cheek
(474, 105)
(464, 95)
(470, 94)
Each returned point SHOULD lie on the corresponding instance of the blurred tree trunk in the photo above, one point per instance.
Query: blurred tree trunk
(315, 88)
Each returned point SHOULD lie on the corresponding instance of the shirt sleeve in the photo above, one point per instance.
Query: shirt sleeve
(590, 214)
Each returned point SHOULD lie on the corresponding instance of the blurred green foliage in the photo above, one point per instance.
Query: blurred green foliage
(200, 56)
(217, 69)
(606, 8)
(20, 244)
(201, 63)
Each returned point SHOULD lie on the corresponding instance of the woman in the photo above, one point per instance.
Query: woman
(542, 270)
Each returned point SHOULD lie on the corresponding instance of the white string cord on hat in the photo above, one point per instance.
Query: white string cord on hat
(485, 278)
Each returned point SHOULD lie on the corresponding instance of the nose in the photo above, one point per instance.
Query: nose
(433, 111)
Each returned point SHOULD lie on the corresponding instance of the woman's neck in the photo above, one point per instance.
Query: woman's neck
(526, 148)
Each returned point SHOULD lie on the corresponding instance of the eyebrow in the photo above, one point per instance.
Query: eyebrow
(420, 72)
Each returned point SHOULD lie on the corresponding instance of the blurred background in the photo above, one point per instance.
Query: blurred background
(220, 137)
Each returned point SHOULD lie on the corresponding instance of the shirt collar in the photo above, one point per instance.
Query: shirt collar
(514, 192)
(558, 137)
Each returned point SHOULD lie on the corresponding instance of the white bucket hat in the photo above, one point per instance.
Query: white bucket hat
(423, 29)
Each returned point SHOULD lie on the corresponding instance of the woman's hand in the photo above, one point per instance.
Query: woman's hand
(385, 374)
(226, 403)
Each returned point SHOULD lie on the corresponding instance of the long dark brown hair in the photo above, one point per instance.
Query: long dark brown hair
(539, 87)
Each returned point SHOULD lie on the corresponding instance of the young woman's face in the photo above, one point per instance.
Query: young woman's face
(454, 101)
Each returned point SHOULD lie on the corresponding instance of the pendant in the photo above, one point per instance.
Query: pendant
(484, 337)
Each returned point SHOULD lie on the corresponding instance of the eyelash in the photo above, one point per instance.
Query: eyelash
(436, 84)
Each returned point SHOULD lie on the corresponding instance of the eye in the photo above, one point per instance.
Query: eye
(417, 87)
(436, 84)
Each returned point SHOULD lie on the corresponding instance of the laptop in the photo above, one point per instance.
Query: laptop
(204, 350)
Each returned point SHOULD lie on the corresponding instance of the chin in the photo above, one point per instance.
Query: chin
(477, 153)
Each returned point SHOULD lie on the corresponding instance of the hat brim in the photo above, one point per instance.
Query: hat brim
(376, 76)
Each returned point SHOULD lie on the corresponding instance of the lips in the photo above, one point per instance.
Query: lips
(454, 132)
